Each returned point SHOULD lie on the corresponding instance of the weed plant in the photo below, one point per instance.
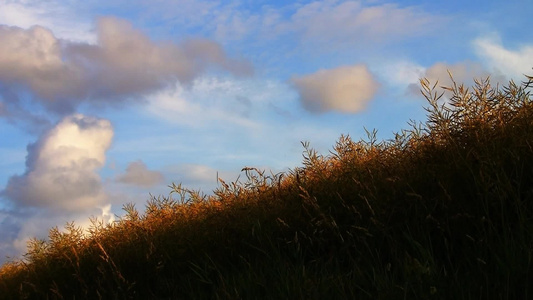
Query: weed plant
(442, 211)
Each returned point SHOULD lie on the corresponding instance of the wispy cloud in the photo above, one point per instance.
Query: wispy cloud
(324, 25)
(349, 22)
(514, 63)
(345, 89)
(215, 100)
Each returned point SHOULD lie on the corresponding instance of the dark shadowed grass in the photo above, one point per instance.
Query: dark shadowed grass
(442, 211)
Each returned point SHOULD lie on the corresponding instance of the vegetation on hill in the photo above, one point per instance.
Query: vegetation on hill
(442, 211)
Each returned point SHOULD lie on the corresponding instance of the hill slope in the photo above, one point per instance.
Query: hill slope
(445, 210)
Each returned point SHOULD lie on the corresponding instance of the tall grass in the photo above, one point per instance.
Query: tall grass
(444, 210)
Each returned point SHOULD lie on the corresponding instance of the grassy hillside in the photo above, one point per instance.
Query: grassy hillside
(443, 211)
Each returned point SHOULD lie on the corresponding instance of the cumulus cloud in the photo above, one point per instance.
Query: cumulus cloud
(345, 89)
(515, 63)
(124, 63)
(61, 167)
(138, 174)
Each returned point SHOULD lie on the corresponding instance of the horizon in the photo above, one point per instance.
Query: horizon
(104, 104)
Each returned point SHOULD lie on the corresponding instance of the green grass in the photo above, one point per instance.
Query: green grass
(442, 211)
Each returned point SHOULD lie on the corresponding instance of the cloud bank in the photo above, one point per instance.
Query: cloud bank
(122, 65)
(61, 167)
(345, 89)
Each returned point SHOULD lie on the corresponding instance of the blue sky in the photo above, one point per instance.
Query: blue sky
(105, 102)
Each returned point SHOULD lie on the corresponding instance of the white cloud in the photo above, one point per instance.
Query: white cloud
(345, 89)
(512, 63)
(138, 174)
(62, 166)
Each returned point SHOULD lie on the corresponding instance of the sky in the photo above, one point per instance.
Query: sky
(104, 103)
